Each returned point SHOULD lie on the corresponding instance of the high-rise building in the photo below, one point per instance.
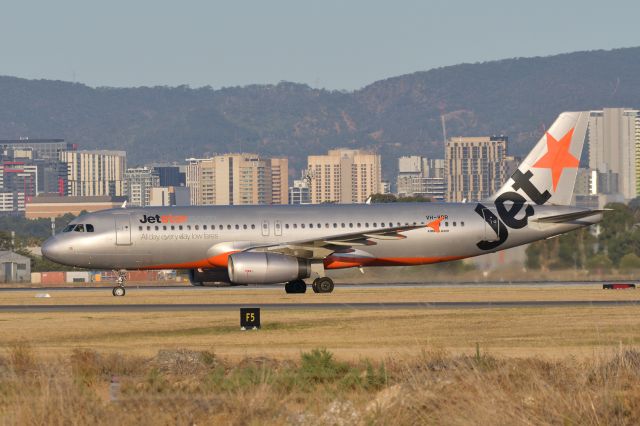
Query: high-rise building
(170, 175)
(138, 182)
(474, 167)
(344, 176)
(94, 173)
(238, 179)
(421, 176)
(614, 147)
(299, 193)
(44, 149)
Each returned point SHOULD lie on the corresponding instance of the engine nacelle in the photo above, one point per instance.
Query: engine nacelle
(209, 277)
(266, 268)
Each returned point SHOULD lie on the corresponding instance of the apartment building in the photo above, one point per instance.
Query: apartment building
(94, 173)
(344, 176)
(238, 179)
(474, 167)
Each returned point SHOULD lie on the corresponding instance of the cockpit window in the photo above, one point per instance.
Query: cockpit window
(89, 227)
(68, 228)
(79, 228)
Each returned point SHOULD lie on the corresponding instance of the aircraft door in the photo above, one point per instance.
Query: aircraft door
(278, 228)
(265, 228)
(123, 230)
(491, 226)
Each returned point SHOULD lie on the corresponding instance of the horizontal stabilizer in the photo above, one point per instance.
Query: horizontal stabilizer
(568, 217)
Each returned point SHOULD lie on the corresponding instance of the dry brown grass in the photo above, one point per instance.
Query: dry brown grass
(427, 387)
(340, 295)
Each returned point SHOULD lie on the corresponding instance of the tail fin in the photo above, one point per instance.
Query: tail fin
(548, 174)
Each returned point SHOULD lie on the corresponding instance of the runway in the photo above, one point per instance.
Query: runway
(464, 284)
(315, 306)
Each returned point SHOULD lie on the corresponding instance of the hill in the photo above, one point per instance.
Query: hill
(399, 115)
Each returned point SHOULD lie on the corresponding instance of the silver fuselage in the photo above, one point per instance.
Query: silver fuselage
(202, 237)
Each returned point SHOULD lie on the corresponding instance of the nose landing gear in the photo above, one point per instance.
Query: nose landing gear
(119, 290)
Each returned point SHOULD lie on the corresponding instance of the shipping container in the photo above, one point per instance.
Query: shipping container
(52, 278)
(77, 276)
(36, 278)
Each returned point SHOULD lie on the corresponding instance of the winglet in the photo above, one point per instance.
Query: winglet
(124, 205)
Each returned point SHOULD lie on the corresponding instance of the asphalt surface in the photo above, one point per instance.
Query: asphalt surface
(276, 287)
(314, 306)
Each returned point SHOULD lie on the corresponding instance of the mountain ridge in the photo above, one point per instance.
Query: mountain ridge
(395, 116)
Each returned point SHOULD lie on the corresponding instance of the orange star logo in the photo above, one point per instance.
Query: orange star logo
(558, 157)
(435, 224)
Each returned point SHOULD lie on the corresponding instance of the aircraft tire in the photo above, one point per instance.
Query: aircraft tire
(323, 285)
(296, 286)
(118, 291)
(314, 286)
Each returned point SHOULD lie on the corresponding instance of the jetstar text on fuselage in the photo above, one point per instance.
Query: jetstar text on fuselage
(169, 218)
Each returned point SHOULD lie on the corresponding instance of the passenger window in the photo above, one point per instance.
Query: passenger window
(454, 224)
(326, 225)
(197, 227)
(461, 223)
(149, 228)
(173, 227)
(253, 226)
(221, 227)
(335, 225)
(156, 227)
(180, 227)
(139, 228)
(391, 224)
(228, 226)
(366, 225)
(237, 226)
(358, 225)
(79, 228)
(204, 227)
(244, 226)
(350, 225)
(189, 227)
(302, 225)
(311, 225)
(343, 225)
(89, 228)
(319, 225)
(286, 226)
(295, 226)
(446, 224)
(164, 227)
(375, 224)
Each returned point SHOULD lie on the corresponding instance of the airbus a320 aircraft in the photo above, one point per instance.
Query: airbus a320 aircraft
(287, 244)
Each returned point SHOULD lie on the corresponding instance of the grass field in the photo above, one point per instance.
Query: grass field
(545, 365)
(349, 334)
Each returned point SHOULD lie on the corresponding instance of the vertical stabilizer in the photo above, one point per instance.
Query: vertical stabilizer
(548, 174)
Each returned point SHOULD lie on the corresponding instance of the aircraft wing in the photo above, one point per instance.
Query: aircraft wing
(321, 247)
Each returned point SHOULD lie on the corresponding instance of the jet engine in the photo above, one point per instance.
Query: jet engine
(266, 268)
(209, 277)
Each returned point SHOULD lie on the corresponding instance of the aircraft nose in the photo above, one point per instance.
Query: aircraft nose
(52, 249)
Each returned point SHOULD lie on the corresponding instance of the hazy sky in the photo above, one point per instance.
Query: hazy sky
(326, 43)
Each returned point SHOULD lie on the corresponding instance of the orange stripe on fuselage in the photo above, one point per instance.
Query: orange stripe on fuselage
(218, 261)
(331, 262)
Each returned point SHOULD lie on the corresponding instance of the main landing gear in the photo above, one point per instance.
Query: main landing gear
(119, 289)
(320, 285)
